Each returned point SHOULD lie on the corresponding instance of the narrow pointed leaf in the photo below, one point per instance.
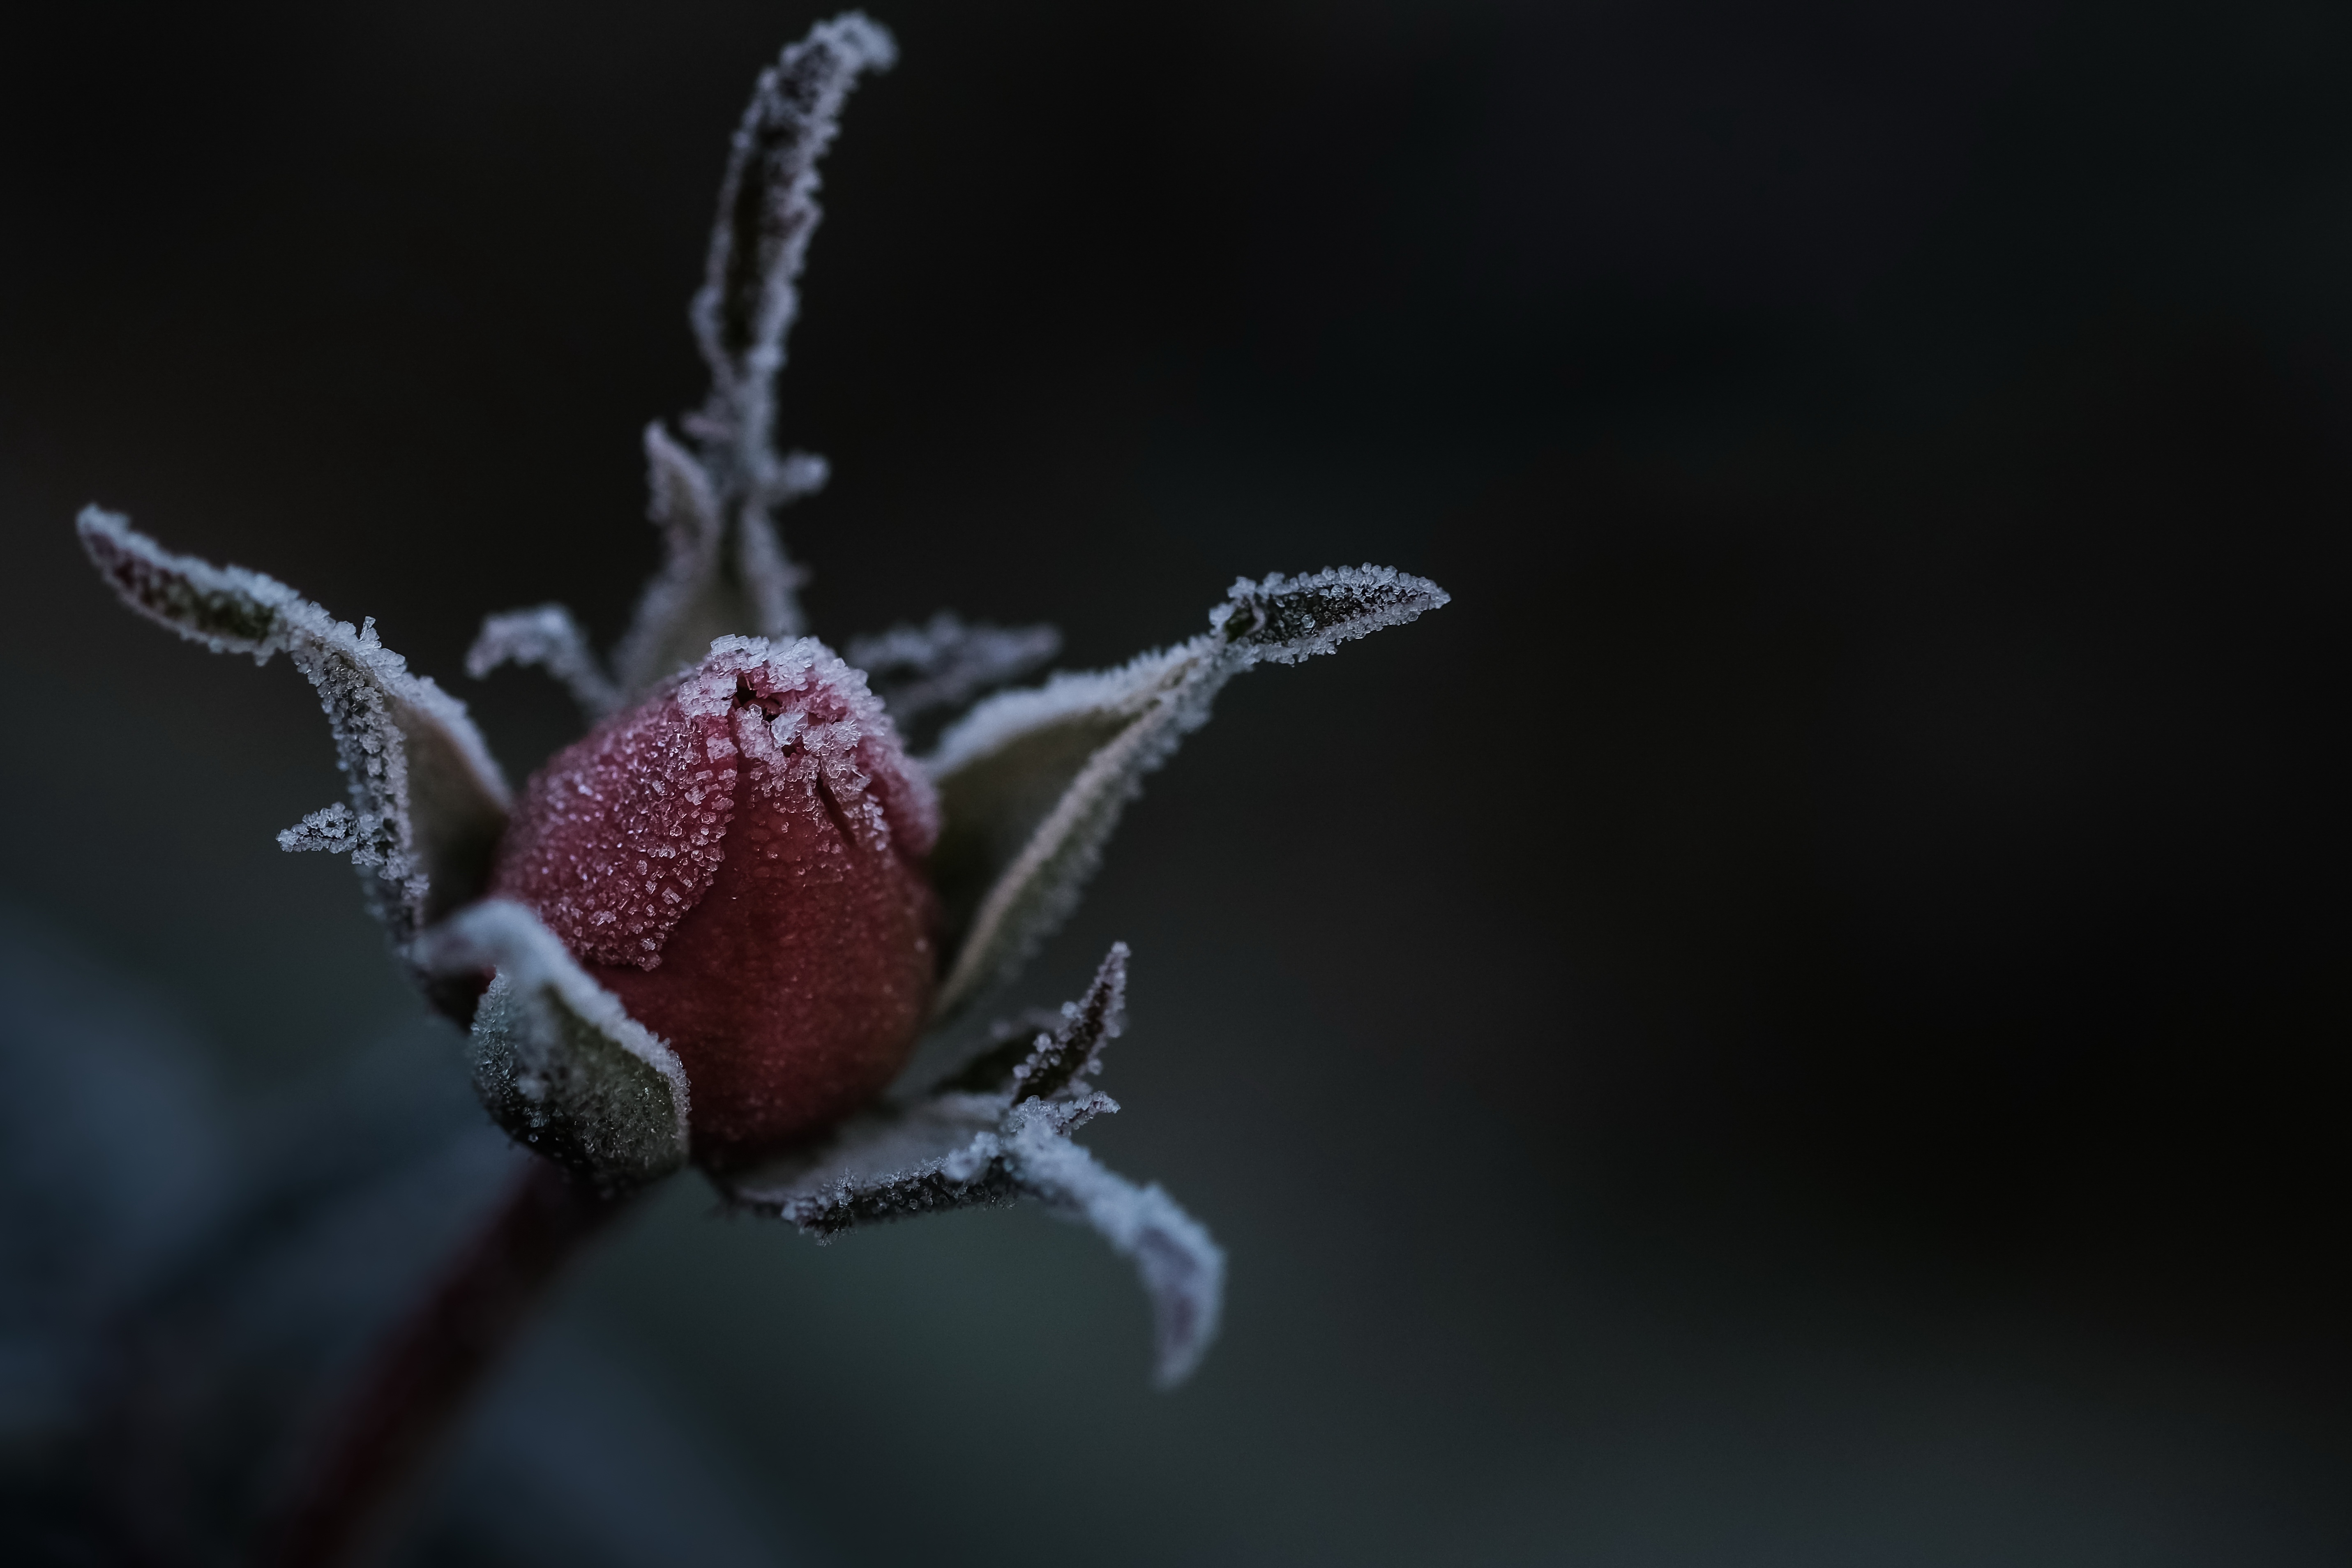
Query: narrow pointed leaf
(726, 572)
(427, 802)
(1046, 1057)
(547, 636)
(1183, 1270)
(557, 1062)
(767, 211)
(945, 664)
(1032, 782)
(998, 1130)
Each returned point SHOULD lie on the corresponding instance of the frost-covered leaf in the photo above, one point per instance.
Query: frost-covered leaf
(546, 636)
(1182, 1269)
(1033, 781)
(1035, 1062)
(1001, 1129)
(428, 803)
(945, 664)
(557, 1062)
(726, 572)
(767, 211)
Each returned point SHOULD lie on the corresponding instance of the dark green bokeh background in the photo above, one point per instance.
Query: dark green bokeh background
(1799, 1020)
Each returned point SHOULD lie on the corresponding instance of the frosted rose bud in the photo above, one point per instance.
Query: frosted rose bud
(740, 861)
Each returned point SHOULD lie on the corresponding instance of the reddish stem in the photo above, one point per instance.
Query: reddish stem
(423, 1372)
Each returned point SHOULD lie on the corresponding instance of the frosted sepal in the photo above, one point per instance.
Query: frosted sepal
(547, 636)
(723, 572)
(767, 211)
(1033, 781)
(1037, 1062)
(945, 664)
(1282, 620)
(557, 1062)
(428, 803)
(1001, 1129)
(1182, 1269)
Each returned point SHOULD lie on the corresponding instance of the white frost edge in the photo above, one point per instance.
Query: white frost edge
(508, 937)
(547, 636)
(371, 745)
(1409, 597)
(1182, 1266)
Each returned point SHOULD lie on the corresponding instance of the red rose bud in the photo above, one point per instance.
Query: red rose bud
(740, 861)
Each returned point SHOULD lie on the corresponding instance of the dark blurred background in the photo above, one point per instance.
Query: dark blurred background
(1799, 1020)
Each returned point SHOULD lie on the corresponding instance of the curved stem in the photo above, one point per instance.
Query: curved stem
(421, 1375)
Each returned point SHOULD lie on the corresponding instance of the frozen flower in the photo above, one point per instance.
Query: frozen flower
(714, 931)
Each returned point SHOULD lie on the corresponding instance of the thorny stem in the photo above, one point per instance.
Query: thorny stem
(422, 1374)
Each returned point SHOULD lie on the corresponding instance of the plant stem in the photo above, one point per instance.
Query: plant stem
(417, 1383)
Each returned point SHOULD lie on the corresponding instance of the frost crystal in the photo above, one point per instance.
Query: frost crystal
(428, 804)
(556, 1061)
(1033, 781)
(1000, 1129)
(332, 827)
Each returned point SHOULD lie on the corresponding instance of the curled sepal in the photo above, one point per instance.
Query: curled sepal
(999, 1130)
(943, 665)
(967, 1150)
(1182, 1269)
(1033, 781)
(546, 636)
(557, 1062)
(427, 803)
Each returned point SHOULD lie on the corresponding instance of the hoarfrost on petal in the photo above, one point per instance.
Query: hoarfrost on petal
(429, 800)
(1033, 781)
(557, 1062)
(547, 636)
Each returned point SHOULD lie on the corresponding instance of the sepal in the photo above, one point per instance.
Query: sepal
(1033, 781)
(427, 803)
(945, 664)
(998, 1129)
(556, 1061)
(546, 636)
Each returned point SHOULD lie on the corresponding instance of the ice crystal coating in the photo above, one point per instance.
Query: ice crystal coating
(998, 1130)
(739, 859)
(1033, 781)
(557, 1062)
(427, 803)
(332, 828)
